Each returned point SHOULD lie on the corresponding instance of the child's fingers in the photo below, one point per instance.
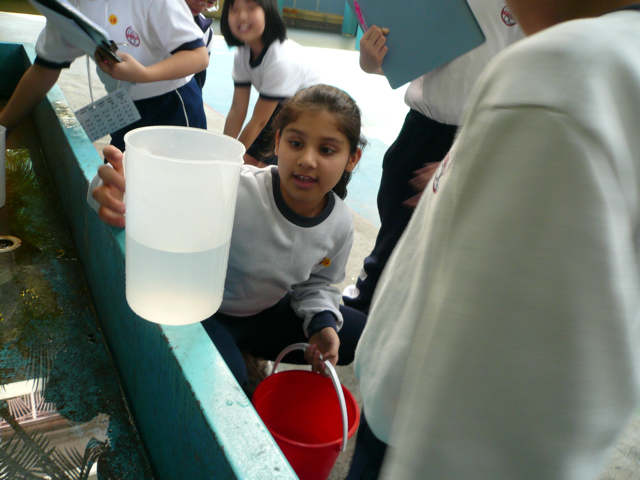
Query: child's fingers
(110, 217)
(114, 157)
(104, 195)
(423, 175)
(427, 167)
(317, 364)
(102, 61)
(373, 37)
(308, 353)
(110, 176)
(412, 202)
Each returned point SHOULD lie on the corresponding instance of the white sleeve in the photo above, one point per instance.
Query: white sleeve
(53, 47)
(523, 365)
(171, 24)
(283, 79)
(318, 293)
(287, 70)
(240, 73)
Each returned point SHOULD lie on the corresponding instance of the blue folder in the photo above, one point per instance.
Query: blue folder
(423, 34)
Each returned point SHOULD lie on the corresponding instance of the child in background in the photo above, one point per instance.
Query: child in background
(266, 59)
(198, 7)
(160, 47)
(281, 291)
(436, 101)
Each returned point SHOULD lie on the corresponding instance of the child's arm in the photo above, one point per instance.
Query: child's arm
(261, 114)
(32, 88)
(238, 111)
(318, 297)
(373, 49)
(179, 65)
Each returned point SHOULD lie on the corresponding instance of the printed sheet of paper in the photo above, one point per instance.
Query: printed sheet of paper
(423, 34)
(108, 114)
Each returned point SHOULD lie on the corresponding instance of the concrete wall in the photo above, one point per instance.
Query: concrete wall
(335, 7)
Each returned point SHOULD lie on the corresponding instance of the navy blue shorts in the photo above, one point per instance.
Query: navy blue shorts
(264, 144)
(181, 107)
(269, 332)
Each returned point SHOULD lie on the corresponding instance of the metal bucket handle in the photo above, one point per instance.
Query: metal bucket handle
(334, 379)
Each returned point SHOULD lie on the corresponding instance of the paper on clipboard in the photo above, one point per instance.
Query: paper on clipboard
(423, 34)
(76, 28)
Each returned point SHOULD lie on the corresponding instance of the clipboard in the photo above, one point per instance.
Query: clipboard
(76, 28)
(423, 34)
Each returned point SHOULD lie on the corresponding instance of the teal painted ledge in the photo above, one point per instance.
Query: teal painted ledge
(194, 419)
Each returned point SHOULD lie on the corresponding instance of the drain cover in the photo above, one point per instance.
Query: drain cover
(9, 243)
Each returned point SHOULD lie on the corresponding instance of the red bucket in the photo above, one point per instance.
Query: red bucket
(303, 412)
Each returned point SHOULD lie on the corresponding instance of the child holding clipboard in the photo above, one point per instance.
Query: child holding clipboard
(160, 47)
(436, 101)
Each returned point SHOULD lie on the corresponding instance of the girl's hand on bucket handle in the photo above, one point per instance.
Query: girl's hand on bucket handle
(110, 194)
(325, 342)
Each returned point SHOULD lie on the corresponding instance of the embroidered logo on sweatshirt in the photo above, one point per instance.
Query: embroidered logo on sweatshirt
(325, 262)
(132, 37)
(444, 168)
(508, 18)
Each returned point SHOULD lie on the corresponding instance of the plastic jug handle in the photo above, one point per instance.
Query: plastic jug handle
(336, 385)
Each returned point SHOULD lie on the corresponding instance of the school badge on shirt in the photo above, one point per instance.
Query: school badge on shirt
(325, 262)
(508, 18)
(132, 37)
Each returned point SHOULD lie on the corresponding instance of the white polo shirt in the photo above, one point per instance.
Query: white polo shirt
(152, 30)
(442, 93)
(280, 71)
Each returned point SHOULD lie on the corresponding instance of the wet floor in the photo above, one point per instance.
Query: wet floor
(62, 412)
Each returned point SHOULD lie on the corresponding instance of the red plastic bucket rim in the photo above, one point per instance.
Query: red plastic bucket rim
(346, 432)
(334, 443)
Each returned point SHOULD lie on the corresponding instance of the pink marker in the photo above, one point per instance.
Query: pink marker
(359, 15)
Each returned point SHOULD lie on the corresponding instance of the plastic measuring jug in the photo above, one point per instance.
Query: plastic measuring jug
(182, 185)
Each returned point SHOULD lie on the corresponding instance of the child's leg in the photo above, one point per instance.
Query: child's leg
(261, 150)
(421, 140)
(354, 322)
(226, 345)
(278, 327)
(368, 455)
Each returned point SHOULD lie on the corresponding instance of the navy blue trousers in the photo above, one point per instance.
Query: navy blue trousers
(168, 109)
(269, 332)
(420, 141)
(368, 455)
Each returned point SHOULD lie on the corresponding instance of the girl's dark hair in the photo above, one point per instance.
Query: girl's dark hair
(274, 27)
(335, 101)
